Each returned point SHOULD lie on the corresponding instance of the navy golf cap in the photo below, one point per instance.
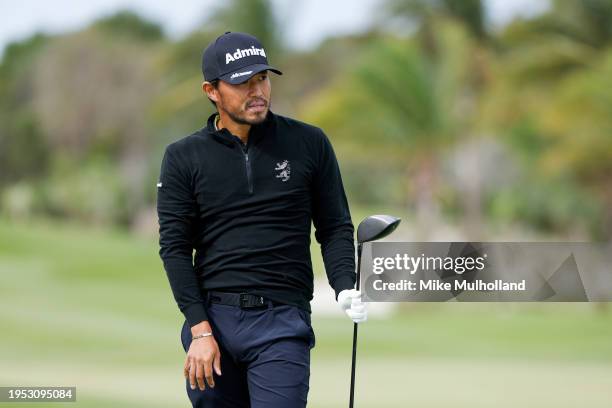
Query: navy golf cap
(234, 58)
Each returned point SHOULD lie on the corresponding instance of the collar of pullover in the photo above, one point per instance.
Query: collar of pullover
(226, 137)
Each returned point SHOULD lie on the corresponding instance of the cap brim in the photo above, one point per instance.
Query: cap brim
(245, 73)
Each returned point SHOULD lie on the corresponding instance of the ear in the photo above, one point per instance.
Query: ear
(210, 91)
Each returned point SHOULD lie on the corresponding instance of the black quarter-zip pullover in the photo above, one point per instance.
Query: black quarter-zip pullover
(246, 209)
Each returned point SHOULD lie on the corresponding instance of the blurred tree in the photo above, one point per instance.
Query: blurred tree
(585, 21)
(550, 94)
(567, 37)
(399, 104)
(17, 57)
(23, 150)
(91, 95)
(88, 95)
(129, 24)
(180, 105)
(24, 153)
(309, 72)
(425, 13)
(255, 17)
(579, 120)
(430, 17)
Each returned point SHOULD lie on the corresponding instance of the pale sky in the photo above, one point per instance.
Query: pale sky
(310, 20)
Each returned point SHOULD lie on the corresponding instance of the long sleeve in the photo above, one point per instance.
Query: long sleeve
(176, 210)
(332, 220)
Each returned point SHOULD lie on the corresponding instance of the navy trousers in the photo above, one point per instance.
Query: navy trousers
(265, 357)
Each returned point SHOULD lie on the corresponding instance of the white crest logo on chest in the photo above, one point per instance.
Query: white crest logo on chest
(283, 170)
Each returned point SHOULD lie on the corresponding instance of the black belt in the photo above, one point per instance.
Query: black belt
(242, 300)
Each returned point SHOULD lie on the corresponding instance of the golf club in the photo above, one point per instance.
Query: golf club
(370, 229)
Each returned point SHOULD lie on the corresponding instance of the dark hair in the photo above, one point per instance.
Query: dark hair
(215, 84)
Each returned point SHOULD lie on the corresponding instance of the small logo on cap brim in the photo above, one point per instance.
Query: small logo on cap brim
(239, 74)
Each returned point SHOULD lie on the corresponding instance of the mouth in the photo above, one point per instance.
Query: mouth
(256, 106)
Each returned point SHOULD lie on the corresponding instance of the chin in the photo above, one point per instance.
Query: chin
(258, 117)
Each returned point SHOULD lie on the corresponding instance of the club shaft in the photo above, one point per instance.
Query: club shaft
(355, 325)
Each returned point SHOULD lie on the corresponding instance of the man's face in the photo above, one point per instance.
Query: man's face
(246, 103)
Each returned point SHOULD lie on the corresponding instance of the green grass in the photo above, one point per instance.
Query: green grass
(481, 331)
(93, 308)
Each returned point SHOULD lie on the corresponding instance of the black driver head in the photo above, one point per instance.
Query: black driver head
(376, 227)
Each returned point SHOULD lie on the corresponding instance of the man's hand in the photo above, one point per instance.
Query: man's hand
(202, 356)
(350, 301)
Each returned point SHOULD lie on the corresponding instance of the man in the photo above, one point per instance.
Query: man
(242, 191)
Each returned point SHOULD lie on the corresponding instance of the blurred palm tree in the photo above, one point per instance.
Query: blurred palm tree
(566, 38)
(551, 92)
(578, 119)
(585, 21)
(399, 104)
(429, 17)
(425, 14)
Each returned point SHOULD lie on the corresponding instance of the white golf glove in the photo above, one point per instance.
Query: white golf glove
(350, 301)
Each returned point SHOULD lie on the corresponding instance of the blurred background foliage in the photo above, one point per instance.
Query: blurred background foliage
(431, 111)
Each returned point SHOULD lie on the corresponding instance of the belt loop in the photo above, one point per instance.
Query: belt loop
(270, 304)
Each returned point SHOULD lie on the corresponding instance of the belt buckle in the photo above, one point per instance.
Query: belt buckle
(244, 301)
